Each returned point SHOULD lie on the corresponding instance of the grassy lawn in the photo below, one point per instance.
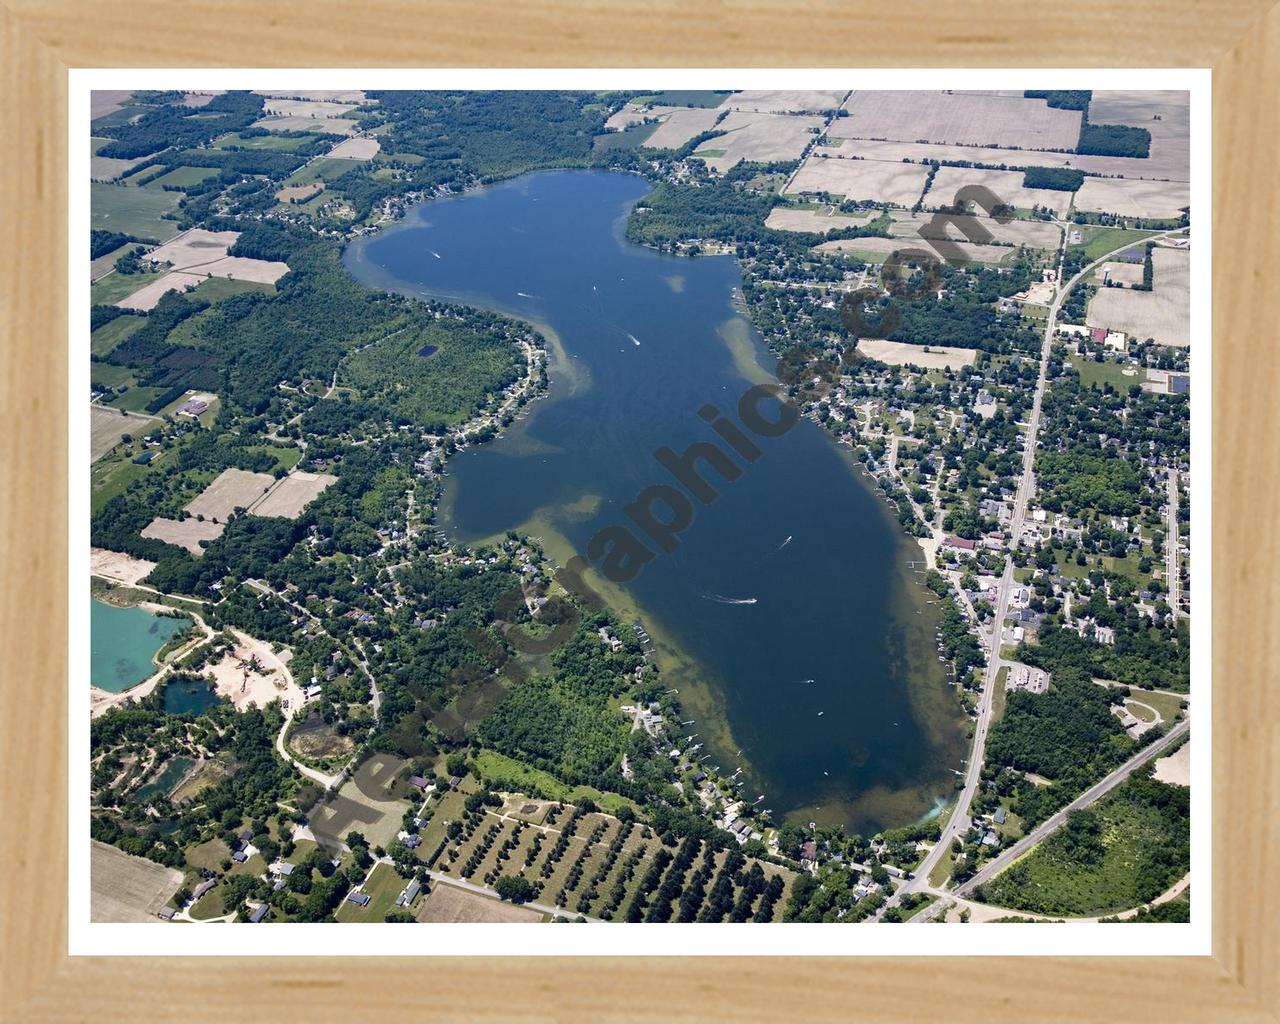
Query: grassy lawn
(109, 477)
(214, 288)
(108, 336)
(999, 697)
(629, 138)
(208, 855)
(325, 169)
(1098, 241)
(182, 177)
(505, 773)
(108, 375)
(133, 211)
(1094, 374)
(384, 885)
(273, 142)
(114, 287)
(136, 399)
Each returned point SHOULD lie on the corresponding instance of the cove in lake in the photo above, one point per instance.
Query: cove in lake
(122, 642)
(798, 636)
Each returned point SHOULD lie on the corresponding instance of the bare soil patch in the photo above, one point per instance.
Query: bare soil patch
(1134, 198)
(300, 193)
(294, 493)
(874, 250)
(325, 125)
(785, 101)
(783, 218)
(1007, 186)
(1176, 768)
(118, 567)
(309, 108)
(451, 905)
(931, 357)
(1037, 234)
(759, 138)
(972, 118)
(363, 148)
(127, 889)
(872, 180)
(145, 298)
(252, 674)
(234, 488)
(107, 426)
(1164, 313)
(679, 125)
(184, 533)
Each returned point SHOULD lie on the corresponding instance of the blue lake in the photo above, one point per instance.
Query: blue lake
(123, 641)
(787, 616)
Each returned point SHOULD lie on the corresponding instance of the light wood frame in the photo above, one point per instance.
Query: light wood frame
(41, 39)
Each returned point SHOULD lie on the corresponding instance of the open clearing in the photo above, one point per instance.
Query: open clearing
(332, 95)
(252, 674)
(448, 904)
(107, 426)
(294, 493)
(183, 533)
(1164, 313)
(309, 108)
(1165, 165)
(127, 889)
(146, 297)
(874, 249)
(759, 138)
(233, 488)
(133, 211)
(785, 101)
(1037, 234)
(299, 193)
(679, 125)
(1176, 768)
(784, 218)
(326, 125)
(117, 566)
(1007, 186)
(107, 101)
(194, 247)
(973, 118)
(1134, 198)
(1122, 273)
(183, 177)
(359, 805)
(872, 180)
(932, 357)
(109, 168)
(355, 149)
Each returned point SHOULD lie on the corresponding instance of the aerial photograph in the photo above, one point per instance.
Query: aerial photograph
(625, 506)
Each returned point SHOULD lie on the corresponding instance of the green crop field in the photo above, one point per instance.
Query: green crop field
(133, 211)
(109, 335)
(181, 177)
(114, 287)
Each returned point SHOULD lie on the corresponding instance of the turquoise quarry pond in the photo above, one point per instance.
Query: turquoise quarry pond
(787, 617)
(122, 643)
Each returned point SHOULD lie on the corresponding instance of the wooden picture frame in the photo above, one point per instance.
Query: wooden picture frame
(1239, 39)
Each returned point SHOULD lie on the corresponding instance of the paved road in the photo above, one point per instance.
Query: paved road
(1089, 796)
(1172, 577)
(958, 824)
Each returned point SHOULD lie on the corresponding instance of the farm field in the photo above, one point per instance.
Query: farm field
(1007, 186)
(1164, 313)
(931, 357)
(107, 426)
(331, 95)
(785, 218)
(132, 211)
(321, 125)
(194, 248)
(309, 108)
(1157, 200)
(870, 180)
(874, 250)
(1170, 133)
(1159, 165)
(110, 334)
(447, 904)
(355, 149)
(761, 138)
(151, 288)
(974, 119)
(324, 168)
(124, 888)
(213, 289)
(684, 98)
(785, 101)
(679, 125)
(282, 143)
(1097, 241)
(234, 488)
(300, 193)
(1037, 234)
(106, 263)
(107, 168)
(1123, 273)
(294, 493)
(182, 176)
(183, 533)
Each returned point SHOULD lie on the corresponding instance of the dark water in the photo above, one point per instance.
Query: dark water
(827, 682)
(188, 696)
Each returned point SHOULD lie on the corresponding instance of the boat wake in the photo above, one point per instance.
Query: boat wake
(721, 599)
(435, 254)
(784, 543)
(635, 339)
(524, 295)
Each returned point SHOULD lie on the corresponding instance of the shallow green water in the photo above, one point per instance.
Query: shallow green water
(798, 636)
(122, 643)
